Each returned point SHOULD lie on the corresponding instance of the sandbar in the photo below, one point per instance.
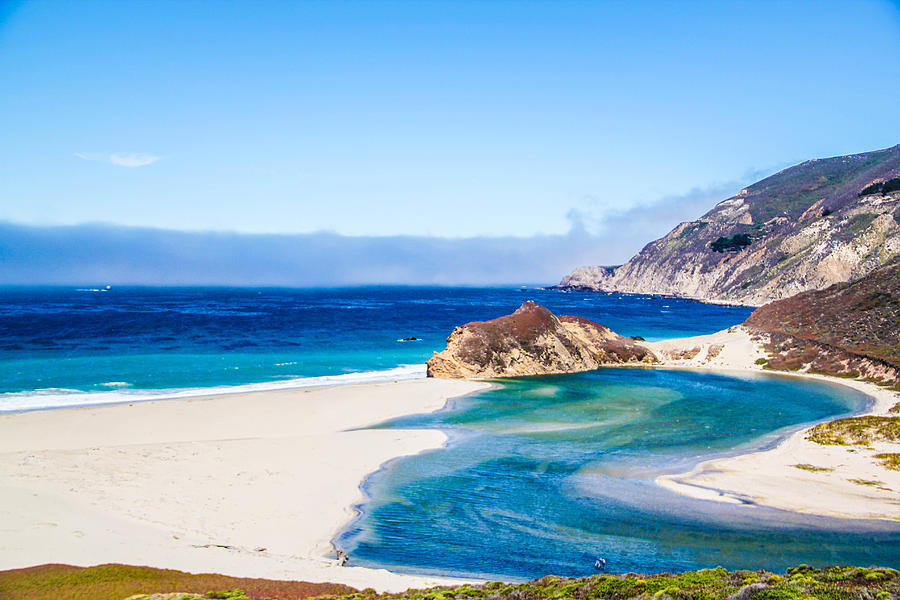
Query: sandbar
(798, 474)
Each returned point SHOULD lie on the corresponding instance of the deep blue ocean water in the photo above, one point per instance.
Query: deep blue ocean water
(66, 346)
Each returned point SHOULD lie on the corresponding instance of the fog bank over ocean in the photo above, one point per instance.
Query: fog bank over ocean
(115, 255)
(120, 255)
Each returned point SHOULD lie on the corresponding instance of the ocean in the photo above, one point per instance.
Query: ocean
(80, 346)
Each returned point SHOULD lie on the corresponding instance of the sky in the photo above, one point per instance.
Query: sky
(594, 123)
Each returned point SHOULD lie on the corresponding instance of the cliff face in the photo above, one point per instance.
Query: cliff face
(848, 329)
(810, 226)
(532, 341)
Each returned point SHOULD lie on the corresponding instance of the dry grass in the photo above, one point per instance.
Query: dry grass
(889, 460)
(869, 482)
(856, 430)
(812, 468)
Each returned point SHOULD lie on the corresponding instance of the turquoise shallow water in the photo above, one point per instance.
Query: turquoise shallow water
(544, 475)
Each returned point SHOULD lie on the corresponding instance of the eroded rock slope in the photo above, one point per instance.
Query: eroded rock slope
(810, 226)
(532, 341)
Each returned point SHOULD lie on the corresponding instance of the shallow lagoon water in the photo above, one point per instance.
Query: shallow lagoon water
(544, 475)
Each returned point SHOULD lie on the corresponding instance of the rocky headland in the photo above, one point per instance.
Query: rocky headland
(533, 341)
(805, 228)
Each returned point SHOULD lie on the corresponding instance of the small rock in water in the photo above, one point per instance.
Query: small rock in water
(410, 339)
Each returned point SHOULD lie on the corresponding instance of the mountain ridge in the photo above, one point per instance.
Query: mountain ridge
(821, 222)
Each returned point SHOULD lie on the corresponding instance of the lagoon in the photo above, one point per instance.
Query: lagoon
(546, 474)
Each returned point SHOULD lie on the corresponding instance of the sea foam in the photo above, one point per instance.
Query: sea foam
(64, 398)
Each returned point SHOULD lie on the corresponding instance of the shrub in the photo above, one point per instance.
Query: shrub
(735, 243)
(891, 185)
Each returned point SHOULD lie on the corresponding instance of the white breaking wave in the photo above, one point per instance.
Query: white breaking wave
(61, 397)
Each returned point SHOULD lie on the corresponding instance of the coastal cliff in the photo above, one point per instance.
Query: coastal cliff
(810, 226)
(532, 341)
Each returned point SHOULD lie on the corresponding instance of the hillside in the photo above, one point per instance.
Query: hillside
(846, 329)
(815, 224)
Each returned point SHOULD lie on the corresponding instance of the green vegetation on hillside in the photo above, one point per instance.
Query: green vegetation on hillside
(800, 583)
(115, 582)
(881, 187)
(734, 243)
(859, 223)
(790, 192)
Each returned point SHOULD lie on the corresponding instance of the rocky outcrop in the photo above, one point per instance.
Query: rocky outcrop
(532, 341)
(810, 226)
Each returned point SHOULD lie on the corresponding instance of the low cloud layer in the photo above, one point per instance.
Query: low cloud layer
(120, 159)
(101, 254)
(107, 254)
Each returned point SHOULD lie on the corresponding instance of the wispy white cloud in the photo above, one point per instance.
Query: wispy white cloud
(120, 159)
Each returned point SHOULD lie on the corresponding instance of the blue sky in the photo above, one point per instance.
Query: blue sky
(450, 119)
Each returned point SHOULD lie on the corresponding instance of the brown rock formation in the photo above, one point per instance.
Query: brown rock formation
(532, 341)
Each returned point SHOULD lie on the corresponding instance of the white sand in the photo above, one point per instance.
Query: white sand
(162, 483)
(770, 478)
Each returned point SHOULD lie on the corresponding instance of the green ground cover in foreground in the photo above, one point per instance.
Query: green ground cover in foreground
(118, 582)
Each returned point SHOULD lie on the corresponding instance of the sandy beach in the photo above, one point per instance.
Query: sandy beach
(252, 484)
(257, 484)
(797, 475)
